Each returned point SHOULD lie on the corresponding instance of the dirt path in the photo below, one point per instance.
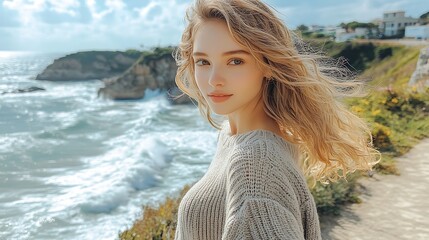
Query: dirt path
(393, 207)
(405, 42)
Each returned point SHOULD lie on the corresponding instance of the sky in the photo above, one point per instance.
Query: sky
(80, 25)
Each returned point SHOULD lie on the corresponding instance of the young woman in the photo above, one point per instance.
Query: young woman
(284, 123)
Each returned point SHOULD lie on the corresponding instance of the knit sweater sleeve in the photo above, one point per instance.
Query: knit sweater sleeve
(262, 201)
(263, 219)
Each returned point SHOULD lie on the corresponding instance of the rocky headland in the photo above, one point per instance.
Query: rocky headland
(153, 70)
(126, 75)
(89, 65)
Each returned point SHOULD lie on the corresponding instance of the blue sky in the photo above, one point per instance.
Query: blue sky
(76, 25)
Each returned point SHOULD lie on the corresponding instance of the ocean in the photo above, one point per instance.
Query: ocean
(80, 167)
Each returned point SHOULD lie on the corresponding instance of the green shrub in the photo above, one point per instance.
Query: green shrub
(329, 198)
(381, 139)
(157, 223)
(383, 52)
(398, 118)
(318, 35)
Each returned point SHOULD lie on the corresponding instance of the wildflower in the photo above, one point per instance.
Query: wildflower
(375, 112)
(386, 131)
(357, 109)
(366, 102)
(394, 100)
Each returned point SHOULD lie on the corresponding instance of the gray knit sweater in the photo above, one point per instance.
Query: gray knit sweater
(252, 189)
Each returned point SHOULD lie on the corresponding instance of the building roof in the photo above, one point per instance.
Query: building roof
(398, 11)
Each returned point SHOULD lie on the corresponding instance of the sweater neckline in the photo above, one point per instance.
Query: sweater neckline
(247, 137)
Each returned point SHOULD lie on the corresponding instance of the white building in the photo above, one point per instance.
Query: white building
(361, 32)
(316, 28)
(394, 22)
(417, 32)
(341, 35)
(327, 30)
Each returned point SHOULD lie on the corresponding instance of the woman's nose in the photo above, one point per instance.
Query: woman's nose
(216, 77)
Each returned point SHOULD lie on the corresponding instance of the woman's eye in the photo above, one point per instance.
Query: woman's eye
(236, 61)
(201, 62)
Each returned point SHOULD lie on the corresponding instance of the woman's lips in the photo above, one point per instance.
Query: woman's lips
(219, 99)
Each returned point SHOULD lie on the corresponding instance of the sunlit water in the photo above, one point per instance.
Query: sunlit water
(78, 167)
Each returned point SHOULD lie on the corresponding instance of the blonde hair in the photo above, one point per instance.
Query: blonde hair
(300, 96)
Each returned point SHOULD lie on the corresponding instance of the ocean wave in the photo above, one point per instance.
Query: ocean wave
(105, 202)
(152, 157)
(142, 177)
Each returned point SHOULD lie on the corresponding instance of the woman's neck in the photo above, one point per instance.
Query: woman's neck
(257, 118)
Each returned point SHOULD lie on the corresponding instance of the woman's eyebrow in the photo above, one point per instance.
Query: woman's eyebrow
(223, 54)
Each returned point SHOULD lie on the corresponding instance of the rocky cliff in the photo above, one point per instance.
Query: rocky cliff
(126, 75)
(420, 76)
(153, 70)
(89, 65)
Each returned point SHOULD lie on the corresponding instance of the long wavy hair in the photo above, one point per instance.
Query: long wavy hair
(302, 96)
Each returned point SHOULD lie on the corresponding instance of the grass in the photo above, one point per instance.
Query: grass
(397, 115)
(395, 70)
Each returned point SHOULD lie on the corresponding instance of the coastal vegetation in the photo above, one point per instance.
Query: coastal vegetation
(87, 58)
(396, 113)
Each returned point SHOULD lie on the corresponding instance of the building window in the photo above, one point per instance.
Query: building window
(393, 25)
(394, 14)
(399, 24)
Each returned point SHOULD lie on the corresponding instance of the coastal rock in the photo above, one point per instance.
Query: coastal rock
(420, 76)
(154, 71)
(25, 90)
(89, 65)
(173, 96)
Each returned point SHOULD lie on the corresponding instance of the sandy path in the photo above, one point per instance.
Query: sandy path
(405, 42)
(393, 207)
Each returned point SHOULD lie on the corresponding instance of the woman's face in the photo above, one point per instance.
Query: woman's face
(224, 67)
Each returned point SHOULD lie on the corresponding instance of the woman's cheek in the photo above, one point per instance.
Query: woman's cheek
(240, 77)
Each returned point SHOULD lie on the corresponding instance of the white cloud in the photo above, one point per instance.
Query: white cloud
(64, 6)
(27, 5)
(144, 11)
(25, 8)
(112, 6)
(28, 8)
(91, 4)
(115, 4)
